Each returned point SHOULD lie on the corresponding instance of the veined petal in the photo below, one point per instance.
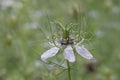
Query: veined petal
(83, 52)
(69, 54)
(49, 53)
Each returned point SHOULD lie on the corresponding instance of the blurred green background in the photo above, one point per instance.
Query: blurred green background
(25, 26)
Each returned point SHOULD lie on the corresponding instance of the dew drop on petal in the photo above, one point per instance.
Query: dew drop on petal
(69, 54)
(49, 53)
(83, 52)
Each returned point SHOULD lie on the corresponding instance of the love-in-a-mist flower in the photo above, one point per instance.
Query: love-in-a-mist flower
(69, 45)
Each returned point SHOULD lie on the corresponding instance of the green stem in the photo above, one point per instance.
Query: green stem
(69, 72)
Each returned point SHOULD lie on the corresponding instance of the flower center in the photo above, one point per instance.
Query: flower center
(68, 41)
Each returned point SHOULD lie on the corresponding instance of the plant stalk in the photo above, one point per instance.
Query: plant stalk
(69, 72)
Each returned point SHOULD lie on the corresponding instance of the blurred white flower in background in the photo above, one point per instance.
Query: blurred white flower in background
(32, 25)
(93, 14)
(99, 33)
(37, 14)
(7, 3)
(10, 4)
(115, 10)
(38, 63)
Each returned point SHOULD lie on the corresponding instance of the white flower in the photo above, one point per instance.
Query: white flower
(68, 53)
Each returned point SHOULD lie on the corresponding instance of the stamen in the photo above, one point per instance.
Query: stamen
(67, 41)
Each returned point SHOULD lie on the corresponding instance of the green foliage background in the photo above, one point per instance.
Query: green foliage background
(24, 28)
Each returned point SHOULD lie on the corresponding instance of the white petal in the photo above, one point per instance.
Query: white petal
(69, 54)
(49, 53)
(83, 52)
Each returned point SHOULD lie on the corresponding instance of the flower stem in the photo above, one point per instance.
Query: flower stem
(69, 72)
